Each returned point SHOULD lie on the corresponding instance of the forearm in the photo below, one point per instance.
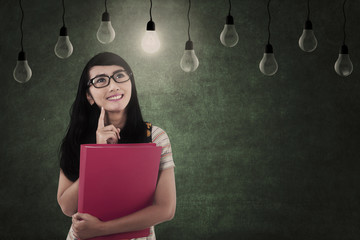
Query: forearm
(68, 201)
(139, 220)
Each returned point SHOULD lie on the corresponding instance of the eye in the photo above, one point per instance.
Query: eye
(119, 75)
(99, 80)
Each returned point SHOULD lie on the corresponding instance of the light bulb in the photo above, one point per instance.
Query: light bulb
(22, 72)
(105, 33)
(150, 42)
(308, 41)
(343, 65)
(63, 47)
(229, 36)
(189, 62)
(268, 65)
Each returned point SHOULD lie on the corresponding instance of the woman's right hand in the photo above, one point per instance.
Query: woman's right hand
(106, 134)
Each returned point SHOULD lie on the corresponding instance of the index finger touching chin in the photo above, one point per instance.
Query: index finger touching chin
(101, 118)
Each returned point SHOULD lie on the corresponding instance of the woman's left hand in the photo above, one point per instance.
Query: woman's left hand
(86, 226)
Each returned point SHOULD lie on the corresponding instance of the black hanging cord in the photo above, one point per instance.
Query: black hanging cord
(188, 16)
(308, 5)
(63, 16)
(150, 10)
(21, 26)
(229, 6)
(344, 21)
(268, 9)
(105, 6)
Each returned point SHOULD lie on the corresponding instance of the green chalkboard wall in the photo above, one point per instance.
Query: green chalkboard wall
(256, 157)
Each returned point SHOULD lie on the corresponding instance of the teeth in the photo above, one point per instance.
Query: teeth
(116, 97)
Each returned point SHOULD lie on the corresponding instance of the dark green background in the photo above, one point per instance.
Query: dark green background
(256, 157)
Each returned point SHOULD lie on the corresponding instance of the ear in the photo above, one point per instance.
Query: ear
(89, 98)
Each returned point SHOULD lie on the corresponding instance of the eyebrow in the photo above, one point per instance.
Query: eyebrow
(104, 75)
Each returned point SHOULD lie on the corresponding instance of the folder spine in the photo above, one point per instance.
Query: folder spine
(81, 183)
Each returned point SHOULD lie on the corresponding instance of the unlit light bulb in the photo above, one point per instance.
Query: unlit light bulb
(308, 41)
(343, 65)
(268, 65)
(150, 42)
(189, 62)
(63, 47)
(22, 72)
(229, 36)
(105, 33)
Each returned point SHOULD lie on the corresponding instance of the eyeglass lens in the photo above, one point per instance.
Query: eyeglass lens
(103, 80)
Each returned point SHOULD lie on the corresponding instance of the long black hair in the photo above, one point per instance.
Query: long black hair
(84, 117)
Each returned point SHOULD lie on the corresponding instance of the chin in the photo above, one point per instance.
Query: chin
(114, 108)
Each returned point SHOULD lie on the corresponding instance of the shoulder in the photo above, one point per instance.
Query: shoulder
(157, 132)
(161, 139)
(158, 135)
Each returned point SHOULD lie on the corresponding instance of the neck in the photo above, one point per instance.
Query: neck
(118, 119)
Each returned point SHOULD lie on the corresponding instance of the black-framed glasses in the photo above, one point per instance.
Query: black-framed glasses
(103, 80)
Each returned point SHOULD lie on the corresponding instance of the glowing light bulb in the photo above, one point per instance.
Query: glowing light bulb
(63, 48)
(229, 36)
(308, 41)
(105, 33)
(343, 65)
(22, 72)
(150, 42)
(189, 62)
(268, 65)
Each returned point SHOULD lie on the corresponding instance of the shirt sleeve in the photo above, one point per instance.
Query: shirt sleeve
(160, 138)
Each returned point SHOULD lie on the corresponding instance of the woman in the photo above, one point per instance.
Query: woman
(107, 83)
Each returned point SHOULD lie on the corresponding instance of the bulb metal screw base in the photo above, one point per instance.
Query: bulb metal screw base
(189, 45)
(308, 25)
(269, 48)
(63, 31)
(21, 56)
(105, 17)
(344, 49)
(229, 20)
(150, 26)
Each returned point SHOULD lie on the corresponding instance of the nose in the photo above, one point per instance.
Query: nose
(113, 86)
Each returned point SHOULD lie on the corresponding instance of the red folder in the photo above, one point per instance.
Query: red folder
(117, 180)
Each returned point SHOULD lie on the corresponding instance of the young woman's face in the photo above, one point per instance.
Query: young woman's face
(115, 96)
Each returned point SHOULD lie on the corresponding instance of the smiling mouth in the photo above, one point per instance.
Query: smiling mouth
(116, 98)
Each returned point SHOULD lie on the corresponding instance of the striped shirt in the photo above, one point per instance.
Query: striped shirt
(160, 138)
